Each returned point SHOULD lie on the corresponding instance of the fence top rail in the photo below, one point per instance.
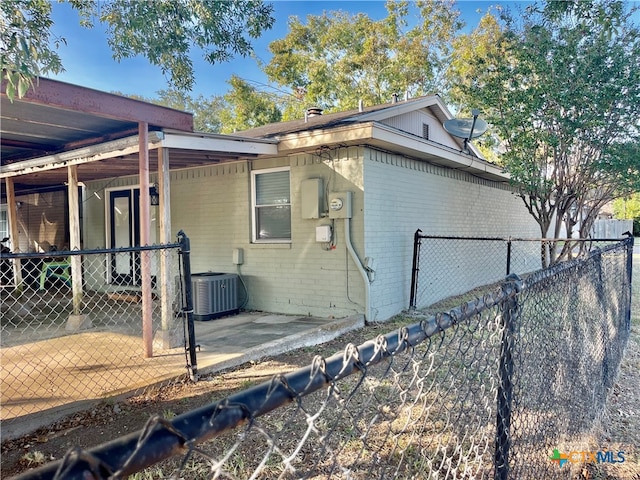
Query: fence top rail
(540, 275)
(164, 438)
(518, 239)
(69, 253)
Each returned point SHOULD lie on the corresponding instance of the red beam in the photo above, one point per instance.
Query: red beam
(81, 99)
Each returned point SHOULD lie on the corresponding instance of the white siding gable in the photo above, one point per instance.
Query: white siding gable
(412, 122)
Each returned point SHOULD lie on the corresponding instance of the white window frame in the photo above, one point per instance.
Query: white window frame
(5, 233)
(254, 218)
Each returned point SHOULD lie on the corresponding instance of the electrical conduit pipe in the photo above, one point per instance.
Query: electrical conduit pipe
(356, 260)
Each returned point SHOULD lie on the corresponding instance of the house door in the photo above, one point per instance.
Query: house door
(124, 216)
(125, 232)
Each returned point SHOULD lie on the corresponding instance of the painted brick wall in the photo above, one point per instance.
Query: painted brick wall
(305, 277)
(403, 195)
(212, 205)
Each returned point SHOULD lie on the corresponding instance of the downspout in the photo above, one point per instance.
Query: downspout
(363, 272)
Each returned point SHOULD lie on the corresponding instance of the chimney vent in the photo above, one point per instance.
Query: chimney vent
(314, 112)
(394, 98)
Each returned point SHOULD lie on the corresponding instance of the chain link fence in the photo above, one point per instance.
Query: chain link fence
(445, 266)
(75, 326)
(487, 390)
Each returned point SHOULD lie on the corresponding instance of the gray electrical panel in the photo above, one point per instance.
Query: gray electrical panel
(311, 194)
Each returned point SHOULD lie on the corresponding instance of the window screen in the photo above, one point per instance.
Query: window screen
(272, 212)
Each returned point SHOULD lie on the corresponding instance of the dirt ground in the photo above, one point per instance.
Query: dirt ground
(620, 430)
(106, 421)
(110, 420)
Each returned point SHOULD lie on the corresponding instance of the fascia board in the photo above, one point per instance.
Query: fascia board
(93, 153)
(392, 140)
(241, 146)
(447, 156)
(433, 101)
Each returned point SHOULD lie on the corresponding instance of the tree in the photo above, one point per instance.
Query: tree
(245, 107)
(562, 91)
(336, 59)
(241, 108)
(25, 39)
(628, 208)
(206, 111)
(164, 31)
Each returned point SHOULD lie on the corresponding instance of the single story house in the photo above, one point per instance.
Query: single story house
(317, 215)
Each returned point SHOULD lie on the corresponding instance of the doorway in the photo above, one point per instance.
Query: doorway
(124, 231)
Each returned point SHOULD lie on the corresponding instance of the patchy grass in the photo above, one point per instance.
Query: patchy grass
(419, 415)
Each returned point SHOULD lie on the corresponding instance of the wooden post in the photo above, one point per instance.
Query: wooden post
(13, 232)
(74, 238)
(145, 260)
(166, 284)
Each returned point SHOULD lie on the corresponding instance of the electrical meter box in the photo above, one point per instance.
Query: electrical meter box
(340, 205)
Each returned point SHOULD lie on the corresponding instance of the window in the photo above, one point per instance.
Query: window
(271, 199)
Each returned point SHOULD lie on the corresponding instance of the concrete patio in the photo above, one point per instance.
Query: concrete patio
(66, 387)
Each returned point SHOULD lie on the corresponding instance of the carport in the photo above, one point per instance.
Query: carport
(60, 134)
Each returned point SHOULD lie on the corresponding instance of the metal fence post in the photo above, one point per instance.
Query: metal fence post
(508, 255)
(629, 240)
(185, 250)
(508, 318)
(415, 269)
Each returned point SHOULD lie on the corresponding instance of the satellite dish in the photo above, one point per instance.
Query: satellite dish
(467, 128)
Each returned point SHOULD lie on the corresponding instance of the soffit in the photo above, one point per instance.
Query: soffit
(389, 139)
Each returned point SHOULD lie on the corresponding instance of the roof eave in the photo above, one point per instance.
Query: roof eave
(390, 139)
(94, 153)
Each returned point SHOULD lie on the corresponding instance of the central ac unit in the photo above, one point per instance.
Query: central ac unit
(214, 295)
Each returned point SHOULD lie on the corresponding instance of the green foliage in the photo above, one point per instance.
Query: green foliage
(165, 32)
(241, 108)
(206, 111)
(561, 87)
(628, 208)
(25, 40)
(246, 107)
(336, 59)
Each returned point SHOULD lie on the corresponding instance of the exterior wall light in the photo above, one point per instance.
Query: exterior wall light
(154, 195)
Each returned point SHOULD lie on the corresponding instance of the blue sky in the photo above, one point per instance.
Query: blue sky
(88, 60)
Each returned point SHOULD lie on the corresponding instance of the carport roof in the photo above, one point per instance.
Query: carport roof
(57, 124)
(54, 117)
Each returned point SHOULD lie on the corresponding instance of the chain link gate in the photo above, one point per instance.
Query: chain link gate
(487, 390)
(61, 347)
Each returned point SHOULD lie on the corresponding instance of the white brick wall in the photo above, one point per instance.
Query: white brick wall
(212, 205)
(403, 195)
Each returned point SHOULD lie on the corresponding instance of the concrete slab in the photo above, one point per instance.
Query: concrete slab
(224, 343)
(273, 319)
